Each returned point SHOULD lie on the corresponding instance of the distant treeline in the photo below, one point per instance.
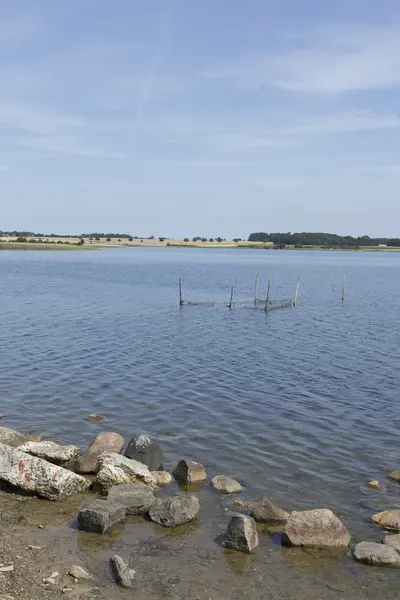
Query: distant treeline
(326, 240)
(82, 235)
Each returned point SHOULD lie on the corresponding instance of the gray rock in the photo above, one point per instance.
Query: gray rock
(376, 554)
(115, 469)
(190, 472)
(170, 512)
(389, 519)
(106, 442)
(266, 512)
(393, 541)
(78, 572)
(123, 575)
(51, 452)
(38, 476)
(241, 534)
(226, 485)
(395, 476)
(9, 437)
(136, 497)
(147, 451)
(100, 515)
(318, 528)
(162, 477)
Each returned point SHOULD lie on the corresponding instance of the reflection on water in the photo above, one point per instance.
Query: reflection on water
(238, 562)
(91, 544)
(309, 559)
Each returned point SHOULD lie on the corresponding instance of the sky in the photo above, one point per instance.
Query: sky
(213, 118)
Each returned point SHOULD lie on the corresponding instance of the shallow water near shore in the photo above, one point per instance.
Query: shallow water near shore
(300, 405)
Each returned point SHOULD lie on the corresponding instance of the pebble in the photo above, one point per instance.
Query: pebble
(52, 578)
(374, 483)
(96, 417)
(41, 526)
(66, 590)
(34, 547)
(7, 569)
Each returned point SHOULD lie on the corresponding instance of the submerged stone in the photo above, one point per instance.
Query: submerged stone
(241, 534)
(318, 528)
(226, 485)
(390, 519)
(190, 472)
(371, 553)
(266, 512)
(171, 512)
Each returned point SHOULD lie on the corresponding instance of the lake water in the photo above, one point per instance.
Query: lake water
(300, 404)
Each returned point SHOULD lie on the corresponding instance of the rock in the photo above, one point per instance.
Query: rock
(8, 569)
(78, 572)
(100, 515)
(393, 541)
(52, 578)
(116, 469)
(395, 476)
(147, 451)
(390, 519)
(170, 512)
(241, 534)
(318, 528)
(374, 483)
(226, 485)
(136, 497)
(242, 503)
(189, 472)
(123, 575)
(371, 553)
(51, 452)
(162, 477)
(266, 512)
(9, 437)
(38, 476)
(33, 436)
(96, 417)
(104, 443)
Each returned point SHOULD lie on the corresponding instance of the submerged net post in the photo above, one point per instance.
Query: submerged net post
(268, 293)
(180, 292)
(255, 290)
(344, 288)
(231, 299)
(296, 292)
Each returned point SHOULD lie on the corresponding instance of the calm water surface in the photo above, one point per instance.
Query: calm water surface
(301, 404)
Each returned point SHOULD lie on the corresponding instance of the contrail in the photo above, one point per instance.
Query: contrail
(160, 51)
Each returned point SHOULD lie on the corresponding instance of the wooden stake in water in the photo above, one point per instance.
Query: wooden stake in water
(255, 290)
(231, 299)
(268, 293)
(344, 288)
(296, 292)
(180, 293)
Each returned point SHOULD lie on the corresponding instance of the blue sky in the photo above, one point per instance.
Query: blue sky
(183, 118)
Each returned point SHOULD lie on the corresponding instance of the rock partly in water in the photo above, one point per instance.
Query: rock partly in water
(371, 553)
(266, 512)
(318, 528)
(147, 451)
(393, 541)
(104, 443)
(242, 503)
(78, 572)
(162, 477)
(35, 475)
(96, 417)
(241, 534)
(190, 472)
(374, 483)
(52, 452)
(100, 515)
(226, 485)
(12, 438)
(136, 497)
(170, 512)
(123, 575)
(116, 469)
(390, 519)
(395, 476)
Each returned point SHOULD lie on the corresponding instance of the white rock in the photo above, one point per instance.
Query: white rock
(51, 452)
(116, 469)
(78, 572)
(38, 476)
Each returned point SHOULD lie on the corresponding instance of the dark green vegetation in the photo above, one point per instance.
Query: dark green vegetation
(322, 240)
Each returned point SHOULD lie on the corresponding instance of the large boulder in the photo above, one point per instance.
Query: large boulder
(318, 528)
(371, 553)
(115, 469)
(9, 437)
(136, 497)
(393, 541)
(100, 515)
(190, 472)
(266, 512)
(226, 485)
(170, 512)
(123, 575)
(241, 534)
(38, 476)
(389, 519)
(147, 451)
(52, 452)
(106, 442)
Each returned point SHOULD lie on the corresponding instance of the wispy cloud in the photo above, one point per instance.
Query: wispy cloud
(335, 60)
